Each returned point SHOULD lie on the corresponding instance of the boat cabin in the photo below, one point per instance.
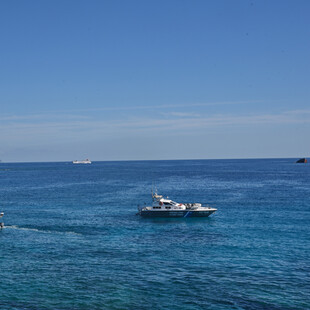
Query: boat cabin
(166, 204)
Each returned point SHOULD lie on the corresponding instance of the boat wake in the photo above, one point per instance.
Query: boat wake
(42, 231)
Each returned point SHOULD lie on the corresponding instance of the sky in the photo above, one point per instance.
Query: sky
(153, 80)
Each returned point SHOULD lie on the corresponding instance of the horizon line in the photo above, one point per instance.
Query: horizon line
(132, 160)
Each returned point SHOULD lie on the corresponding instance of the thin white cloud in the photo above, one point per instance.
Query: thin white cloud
(297, 112)
(66, 113)
(181, 114)
(41, 117)
(83, 128)
(179, 105)
(187, 123)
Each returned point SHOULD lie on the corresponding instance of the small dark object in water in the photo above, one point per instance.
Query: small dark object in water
(1, 224)
(301, 161)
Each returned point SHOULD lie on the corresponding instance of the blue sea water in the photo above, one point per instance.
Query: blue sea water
(73, 240)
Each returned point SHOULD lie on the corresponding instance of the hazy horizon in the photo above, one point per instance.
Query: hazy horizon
(176, 159)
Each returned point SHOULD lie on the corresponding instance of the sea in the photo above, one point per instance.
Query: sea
(72, 239)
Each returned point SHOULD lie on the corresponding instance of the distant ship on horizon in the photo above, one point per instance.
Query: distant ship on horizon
(85, 161)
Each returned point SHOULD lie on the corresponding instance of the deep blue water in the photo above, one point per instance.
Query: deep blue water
(72, 239)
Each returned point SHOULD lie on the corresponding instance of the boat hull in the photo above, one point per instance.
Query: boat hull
(81, 162)
(176, 213)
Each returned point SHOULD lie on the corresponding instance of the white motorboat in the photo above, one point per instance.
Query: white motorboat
(85, 161)
(164, 207)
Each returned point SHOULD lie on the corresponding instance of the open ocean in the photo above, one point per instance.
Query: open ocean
(73, 240)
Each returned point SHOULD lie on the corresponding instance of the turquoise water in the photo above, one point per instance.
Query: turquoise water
(72, 239)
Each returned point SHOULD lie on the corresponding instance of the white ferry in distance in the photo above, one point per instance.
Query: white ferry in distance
(85, 161)
(164, 207)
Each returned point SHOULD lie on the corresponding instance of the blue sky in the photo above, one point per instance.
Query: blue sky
(131, 80)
